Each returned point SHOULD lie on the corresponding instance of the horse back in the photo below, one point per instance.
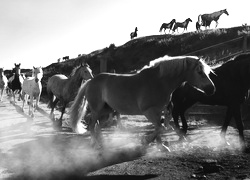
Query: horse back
(128, 94)
(56, 84)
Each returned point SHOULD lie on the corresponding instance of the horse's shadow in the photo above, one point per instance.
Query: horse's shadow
(20, 111)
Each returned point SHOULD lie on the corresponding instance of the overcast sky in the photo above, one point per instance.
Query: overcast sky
(38, 32)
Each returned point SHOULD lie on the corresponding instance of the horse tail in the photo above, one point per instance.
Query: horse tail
(199, 18)
(161, 28)
(78, 109)
(50, 96)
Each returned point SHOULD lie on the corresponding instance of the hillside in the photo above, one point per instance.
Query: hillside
(136, 53)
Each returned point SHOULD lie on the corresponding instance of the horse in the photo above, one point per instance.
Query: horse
(32, 87)
(66, 58)
(134, 34)
(182, 25)
(16, 83)
(167, 25)
(3, 82)
(206, 19)
(64, 89)
(143, 93)
(232, 84)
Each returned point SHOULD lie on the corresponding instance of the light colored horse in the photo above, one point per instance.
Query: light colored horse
(206, 19)
(63, 89)
(32, 87)
(167, 26)
(3, 82)
(144, 93)
(182, 25)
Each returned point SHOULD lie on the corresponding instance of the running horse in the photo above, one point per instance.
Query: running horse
(182, 25)
(134, 34)
(3, 82)
(232, 84)
(144, 93)
(32, 87)
(16, 83)
(206, 19)
(64, 89)
(167, 25)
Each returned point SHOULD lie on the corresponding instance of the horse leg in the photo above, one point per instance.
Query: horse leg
(59, 124)
(216, 24)
(119, 123)
(95, 131)
(31, 106)
(225, 125)
(53, 105)
(24, 101)
(175, 115)
(1, 94)
(37, 102)
(154, 115)
(184, 125)
(239, 124)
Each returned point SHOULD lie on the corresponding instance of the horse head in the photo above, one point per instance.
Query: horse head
(83, 71)
(17, 69)
(38, 73)
(188, 20)
(198, 75)
(225, 11)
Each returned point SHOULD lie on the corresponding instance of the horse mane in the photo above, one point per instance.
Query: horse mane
(170, 65)
(74, 71)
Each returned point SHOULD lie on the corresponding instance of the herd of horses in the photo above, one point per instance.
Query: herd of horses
(203, 20)
(178, 82)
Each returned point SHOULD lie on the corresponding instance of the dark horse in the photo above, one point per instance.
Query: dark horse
(206, 19)
(134, 34)
(232, 81)
(15, 84)
(182, 25)
(167, 26)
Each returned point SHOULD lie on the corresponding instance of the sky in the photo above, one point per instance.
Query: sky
(39, 32)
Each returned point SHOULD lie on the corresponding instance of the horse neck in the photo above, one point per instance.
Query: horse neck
(75, 80)
(237, 73)
(217, 14)
(174, 77)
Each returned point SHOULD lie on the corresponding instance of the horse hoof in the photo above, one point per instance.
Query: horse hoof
(182, 139)
(163, 148)
(224, 143)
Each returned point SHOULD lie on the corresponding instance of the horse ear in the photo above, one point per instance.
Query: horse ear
(34, 67)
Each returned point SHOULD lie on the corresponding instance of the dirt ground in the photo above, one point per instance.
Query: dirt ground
(32, 149)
